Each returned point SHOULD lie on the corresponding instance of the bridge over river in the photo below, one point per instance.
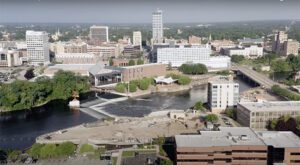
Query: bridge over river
(257, 77)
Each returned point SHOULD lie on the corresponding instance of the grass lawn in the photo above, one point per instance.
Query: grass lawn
(114, 160)
(127, 153)
(131, 153)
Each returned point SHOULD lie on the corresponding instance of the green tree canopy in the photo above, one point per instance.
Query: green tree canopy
(140, 62)
(211, 118)
(281, 66)
(199, 106)
(131, 62)
(237, 58)
(193, 69)
(121, 87)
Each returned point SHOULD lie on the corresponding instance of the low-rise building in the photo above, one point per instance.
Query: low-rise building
(256, 115)
(101, 74)
(217, 45)
(237, 145)
(194, 40)
(68, 47)
(229, 145)
(284, 146)
(82, 69)
(103, 51)
(222, 93)
(9, 58)
(76, 58)
(252, 51)
(177, 56)
(251, 41)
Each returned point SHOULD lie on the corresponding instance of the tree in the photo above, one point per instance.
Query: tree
(140, 62)
(144, 83)
(131, 63)
(294, 62)
(276, 89)
(169, 66)
(211, 118)
(132, 87)
(184, 80)
(111, 62)
(270, 57)
(193, 69)
(232, 113)
(281, 66)
(120, 87)
(29, 74)
(199, 106)
(237, 58)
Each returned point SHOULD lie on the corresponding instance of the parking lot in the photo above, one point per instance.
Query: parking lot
(225, 121)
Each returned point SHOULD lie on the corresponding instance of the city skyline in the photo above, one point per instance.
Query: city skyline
(139, 11)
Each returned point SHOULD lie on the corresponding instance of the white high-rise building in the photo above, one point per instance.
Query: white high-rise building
(222, 93)
(99, 33)
(157, 27)
(37, 47)
(137, 39)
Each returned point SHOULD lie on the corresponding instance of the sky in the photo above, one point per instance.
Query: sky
(139, 11)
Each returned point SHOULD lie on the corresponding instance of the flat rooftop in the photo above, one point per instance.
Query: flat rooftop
(226, 136)
(71, 66)
(271, 106)
(279, 139)
(143, 65)
(222, 80)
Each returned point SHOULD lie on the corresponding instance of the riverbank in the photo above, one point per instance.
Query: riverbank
(125, 131)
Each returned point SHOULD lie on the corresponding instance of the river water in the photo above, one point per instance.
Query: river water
(18, 130)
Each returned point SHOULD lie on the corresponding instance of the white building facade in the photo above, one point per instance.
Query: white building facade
(9, 58)
(137, 39)
(222, 93)
(252, 51)
(37, 47)
(76, 58)
(191, 55)
(157, 27)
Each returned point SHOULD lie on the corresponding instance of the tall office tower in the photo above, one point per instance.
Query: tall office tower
(279, 38)
(222, 93)
(99, 33)
(37, 47)
(157, 27)
(137, 39)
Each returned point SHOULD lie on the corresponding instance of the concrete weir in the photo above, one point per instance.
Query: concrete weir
(96, 109)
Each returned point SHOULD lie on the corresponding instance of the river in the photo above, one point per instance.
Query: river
(19, 129)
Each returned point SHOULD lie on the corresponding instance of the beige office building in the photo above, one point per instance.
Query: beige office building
(290, 47)
(68, 47)
(256, 115)
(194, 40)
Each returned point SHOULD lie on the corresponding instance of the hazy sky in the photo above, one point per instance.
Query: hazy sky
(139, 11)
